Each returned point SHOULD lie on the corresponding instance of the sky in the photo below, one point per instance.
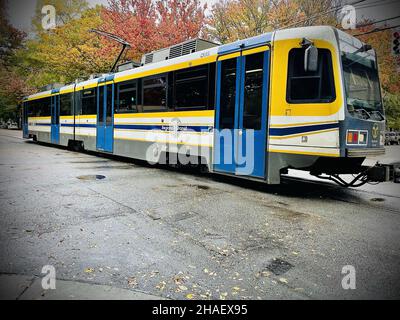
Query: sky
(20, 12)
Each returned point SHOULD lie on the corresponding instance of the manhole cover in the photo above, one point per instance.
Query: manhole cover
(92, 177)
(377, 200)
(278, 266)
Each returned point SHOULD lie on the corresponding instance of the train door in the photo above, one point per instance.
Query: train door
(241, 113)
(105, 117)
(55, 119)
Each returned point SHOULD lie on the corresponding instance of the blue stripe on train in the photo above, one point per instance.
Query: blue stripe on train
(294, 130)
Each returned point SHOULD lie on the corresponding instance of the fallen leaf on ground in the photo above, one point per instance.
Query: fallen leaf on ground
(132, 282)
(223, 295)
(161, 285)
(283, 280)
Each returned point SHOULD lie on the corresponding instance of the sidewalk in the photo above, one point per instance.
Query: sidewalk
(20, 287)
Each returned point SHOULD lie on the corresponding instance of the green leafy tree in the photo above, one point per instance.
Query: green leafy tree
(237, 19)
(66, 11)
(12, 86)
(392, 109)
(67, 52)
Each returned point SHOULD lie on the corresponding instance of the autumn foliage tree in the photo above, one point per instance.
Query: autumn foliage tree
(67, 52)
(149, 25)
(66, 11)
(12, 85)
(237, 19)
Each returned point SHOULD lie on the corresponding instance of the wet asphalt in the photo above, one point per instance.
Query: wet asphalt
(187, 235)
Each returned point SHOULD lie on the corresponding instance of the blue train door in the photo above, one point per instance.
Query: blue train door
(241, 113)
(105, 115)
(55, 119)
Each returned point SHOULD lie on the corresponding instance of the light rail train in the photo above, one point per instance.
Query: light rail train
(304, 98)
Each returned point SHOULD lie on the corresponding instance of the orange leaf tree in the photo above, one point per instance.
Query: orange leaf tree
(149, 25)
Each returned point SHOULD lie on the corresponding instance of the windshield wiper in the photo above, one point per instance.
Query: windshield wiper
(359, 110)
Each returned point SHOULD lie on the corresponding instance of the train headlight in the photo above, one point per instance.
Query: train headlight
(363, 137)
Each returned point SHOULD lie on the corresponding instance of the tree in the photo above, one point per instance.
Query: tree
(67, 52)
(237, 19)
(149, 25)
(10, 38)
(12, 86)
(66, 11)
(232, 20)
(179, 20)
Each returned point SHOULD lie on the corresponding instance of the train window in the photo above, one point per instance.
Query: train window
(310, 87)
(126, 97)
(89, 102)
(253, 91)
(155, 94)
(228, 94)
(109, 113)
(66, 105)
(41, 107)
(191, 88)
(30, 108)
(100, 111)
(211, 86)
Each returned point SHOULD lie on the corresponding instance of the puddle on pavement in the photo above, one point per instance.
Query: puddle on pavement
(377, 200)
(197, 186)
(122, 167)
(90, 161)
(278, 266)
(202, 187)
(92, 177)
(183, 216)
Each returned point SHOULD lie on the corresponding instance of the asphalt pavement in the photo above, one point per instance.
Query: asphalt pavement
(117, 228)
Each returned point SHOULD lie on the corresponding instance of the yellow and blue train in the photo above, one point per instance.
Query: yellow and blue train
(304, 98)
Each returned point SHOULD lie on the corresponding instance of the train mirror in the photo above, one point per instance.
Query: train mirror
(311, 59)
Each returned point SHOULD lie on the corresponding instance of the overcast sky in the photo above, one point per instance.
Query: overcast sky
(20, 12)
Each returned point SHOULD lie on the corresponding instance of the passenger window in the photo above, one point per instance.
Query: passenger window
(66, 104)
(89, 103)
(109, 105)
(310, 87)
(101, 105)
(42, 107)
(191, 88)
(127, 97)
(155, 94)
(253, 91)
(228, 94)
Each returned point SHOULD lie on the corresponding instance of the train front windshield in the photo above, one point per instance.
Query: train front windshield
(361, 78)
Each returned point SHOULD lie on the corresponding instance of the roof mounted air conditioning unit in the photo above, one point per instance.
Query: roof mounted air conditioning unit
(128, 65)
(51, 86)
(178, 50)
